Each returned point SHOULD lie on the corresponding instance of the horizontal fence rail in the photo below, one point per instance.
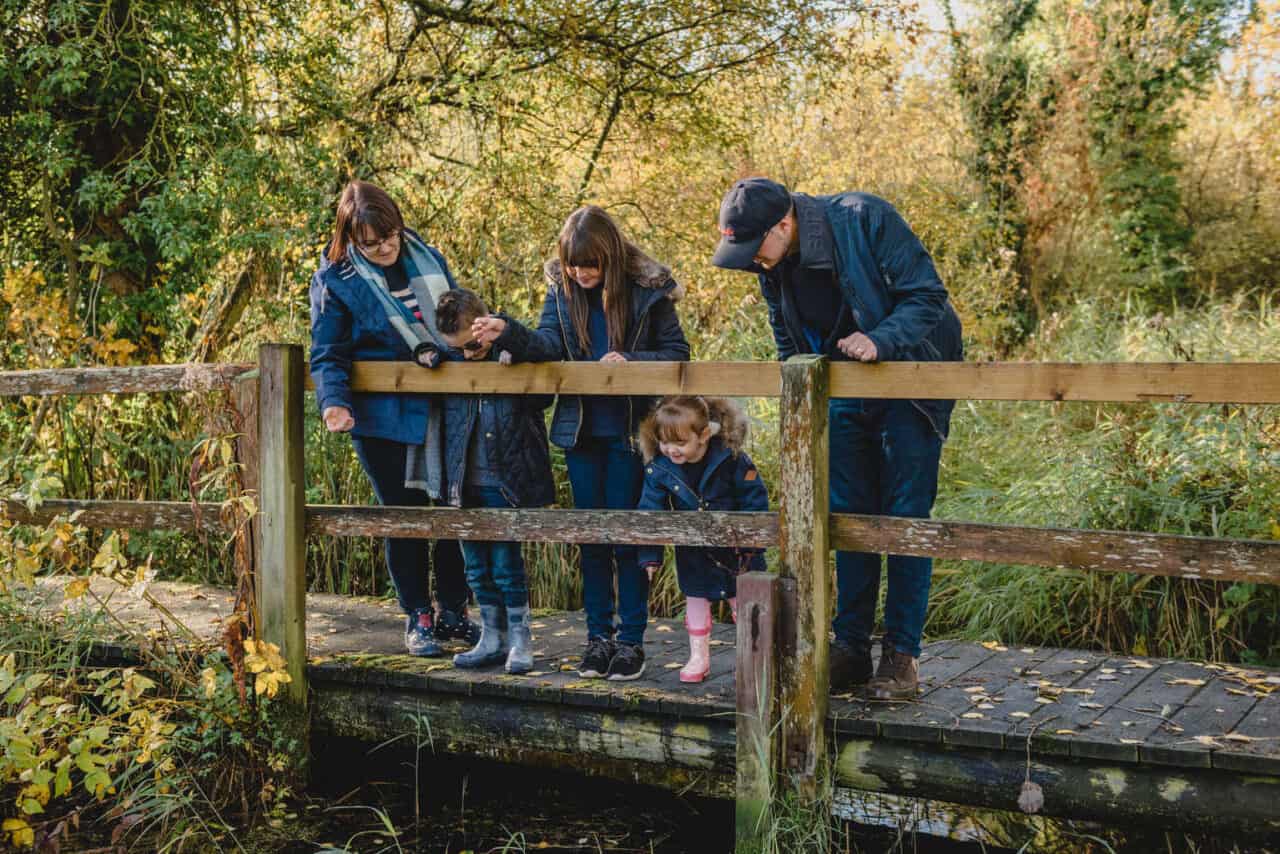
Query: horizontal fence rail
(1155, 382)
(1177, 382)
(1214, 559)
(141, 379)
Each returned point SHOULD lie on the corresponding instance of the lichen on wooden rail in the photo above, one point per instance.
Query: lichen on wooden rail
(641, 527)
(132, 515)
(1102, 551)
(129, 380)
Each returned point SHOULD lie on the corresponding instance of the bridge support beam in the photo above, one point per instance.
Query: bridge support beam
(1119, 794)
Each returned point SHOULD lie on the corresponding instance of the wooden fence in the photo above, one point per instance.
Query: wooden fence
(782, 628)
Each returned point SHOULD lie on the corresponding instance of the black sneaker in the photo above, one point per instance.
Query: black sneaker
(454, 625)
(595, 661)
(627, 663)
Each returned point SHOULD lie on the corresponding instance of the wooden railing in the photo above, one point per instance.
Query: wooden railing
(782, 630)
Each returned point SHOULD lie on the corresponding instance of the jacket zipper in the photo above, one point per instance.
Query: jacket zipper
(635, 339)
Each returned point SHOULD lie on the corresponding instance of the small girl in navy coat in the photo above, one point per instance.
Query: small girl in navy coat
(694, 460)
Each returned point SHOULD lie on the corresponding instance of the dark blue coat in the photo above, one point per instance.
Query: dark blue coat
(349, 325)
(729, 482)
(887, 279)
(514, 434)
(653, 335)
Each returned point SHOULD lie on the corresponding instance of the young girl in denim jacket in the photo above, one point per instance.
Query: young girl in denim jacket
(607, 301)
(694, 460)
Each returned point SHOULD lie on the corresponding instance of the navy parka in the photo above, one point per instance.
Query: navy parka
(729, 482)
(514, 437)
(887, 279)
(653, 335)
(348, 324)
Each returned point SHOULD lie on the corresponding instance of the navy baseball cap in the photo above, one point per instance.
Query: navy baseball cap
(748, 211)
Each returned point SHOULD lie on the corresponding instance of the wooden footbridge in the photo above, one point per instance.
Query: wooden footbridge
(1118, 738)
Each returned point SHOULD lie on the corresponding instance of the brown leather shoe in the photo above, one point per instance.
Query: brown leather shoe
(897, 677)
(850, 665)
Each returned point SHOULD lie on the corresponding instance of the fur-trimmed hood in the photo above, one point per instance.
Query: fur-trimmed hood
(645, 272)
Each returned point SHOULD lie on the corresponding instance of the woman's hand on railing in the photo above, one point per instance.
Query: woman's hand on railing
(338, 419)
(487, 329)
(612, 358)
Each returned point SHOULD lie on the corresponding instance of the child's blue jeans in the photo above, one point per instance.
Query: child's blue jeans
(495, 570)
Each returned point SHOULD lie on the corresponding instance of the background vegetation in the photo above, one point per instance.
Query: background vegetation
(1096, 181)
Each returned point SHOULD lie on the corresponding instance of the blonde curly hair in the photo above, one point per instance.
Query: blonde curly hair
(679, 416)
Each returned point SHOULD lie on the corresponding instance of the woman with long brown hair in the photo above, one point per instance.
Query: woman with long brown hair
(607, 301)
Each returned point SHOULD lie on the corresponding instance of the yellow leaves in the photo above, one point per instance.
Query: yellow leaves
(114, 351)
(110, 557)
(21, 834)
(209, 682)
(269, 682)
(75, 589)
(1193, 682)
(994, 646)
(264, 660)
(1275, 530)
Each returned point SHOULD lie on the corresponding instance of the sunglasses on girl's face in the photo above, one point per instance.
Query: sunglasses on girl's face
(472, 345)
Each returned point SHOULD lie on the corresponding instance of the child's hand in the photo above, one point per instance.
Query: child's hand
(612, 358)
(651, 568)
(426, 354)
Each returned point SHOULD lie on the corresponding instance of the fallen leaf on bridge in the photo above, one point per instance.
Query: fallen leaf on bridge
(1193, 682)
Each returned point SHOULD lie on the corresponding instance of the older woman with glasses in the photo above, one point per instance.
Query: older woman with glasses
(373, 299)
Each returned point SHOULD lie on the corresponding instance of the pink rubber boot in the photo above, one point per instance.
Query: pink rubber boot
(697, 619)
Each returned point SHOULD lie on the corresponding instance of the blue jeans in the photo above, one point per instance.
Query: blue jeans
(884, 462)
(495, 570)
(605, 473)
(409, 560)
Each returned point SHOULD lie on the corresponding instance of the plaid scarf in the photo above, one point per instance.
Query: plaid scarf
(424, 463)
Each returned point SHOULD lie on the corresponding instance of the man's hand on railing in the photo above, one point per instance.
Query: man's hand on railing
(858, 346)
(338, 419)
(487, 329)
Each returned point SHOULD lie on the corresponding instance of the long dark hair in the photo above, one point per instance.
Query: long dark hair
(590, 238)
(362, 203)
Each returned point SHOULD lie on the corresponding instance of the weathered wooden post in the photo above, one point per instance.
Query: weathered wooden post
(282, 561)
(803, 549)
(244, 400)
(758, 749)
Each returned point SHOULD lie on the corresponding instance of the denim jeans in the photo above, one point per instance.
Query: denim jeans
(605, 473)
(409, 560)
(495, 570)
(884, 462)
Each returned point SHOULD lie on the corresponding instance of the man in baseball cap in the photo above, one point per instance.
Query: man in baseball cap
(843, 276)
(748, 214)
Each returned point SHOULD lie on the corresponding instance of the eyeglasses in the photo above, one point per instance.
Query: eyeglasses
(472, 345)
(374, 245)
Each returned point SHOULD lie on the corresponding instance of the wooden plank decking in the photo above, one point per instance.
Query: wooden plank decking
(1177, 729)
